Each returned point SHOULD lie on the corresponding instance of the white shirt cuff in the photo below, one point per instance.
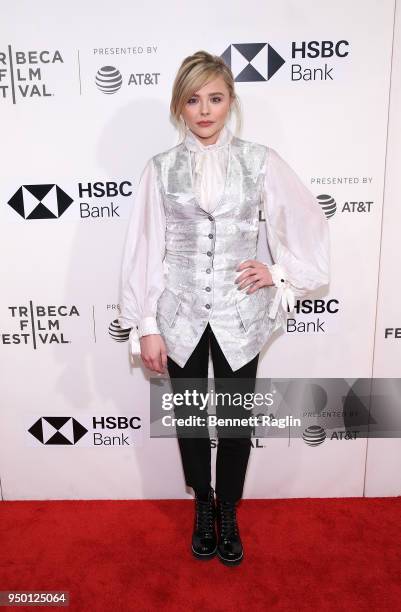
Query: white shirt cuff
(148, 325)
(284, 293)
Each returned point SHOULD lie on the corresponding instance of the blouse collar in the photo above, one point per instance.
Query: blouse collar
(194, 144)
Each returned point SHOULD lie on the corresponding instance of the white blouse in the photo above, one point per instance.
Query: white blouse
(297, 233)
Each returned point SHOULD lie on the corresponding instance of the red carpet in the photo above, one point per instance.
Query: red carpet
(300, 554)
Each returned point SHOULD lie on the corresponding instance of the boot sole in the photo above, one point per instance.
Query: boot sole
(204, 556)
(228, 562)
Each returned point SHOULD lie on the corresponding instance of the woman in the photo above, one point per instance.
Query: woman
(190, 276)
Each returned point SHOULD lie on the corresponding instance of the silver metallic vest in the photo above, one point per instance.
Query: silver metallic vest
(202, 253)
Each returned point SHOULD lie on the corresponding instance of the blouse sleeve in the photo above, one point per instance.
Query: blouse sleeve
(297, 233)
(142, 276)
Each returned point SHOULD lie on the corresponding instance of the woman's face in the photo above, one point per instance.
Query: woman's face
(206, 111)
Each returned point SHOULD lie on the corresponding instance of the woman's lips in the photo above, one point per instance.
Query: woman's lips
(205, 123)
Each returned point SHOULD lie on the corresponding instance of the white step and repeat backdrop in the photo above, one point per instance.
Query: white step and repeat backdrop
(319, 82)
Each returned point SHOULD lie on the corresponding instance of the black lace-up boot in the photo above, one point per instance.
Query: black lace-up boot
(229, 545)
(204, 539)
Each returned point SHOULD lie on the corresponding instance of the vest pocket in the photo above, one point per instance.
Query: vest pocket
(168, 305)
(252, 307)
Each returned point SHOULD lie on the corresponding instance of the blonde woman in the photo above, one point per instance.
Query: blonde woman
(191, 280)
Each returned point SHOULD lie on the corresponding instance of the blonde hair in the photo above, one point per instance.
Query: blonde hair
(195, 71)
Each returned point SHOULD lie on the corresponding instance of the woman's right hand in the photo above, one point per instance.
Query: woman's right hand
(154, 353)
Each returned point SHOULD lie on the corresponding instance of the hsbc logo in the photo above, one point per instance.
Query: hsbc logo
(92, 431)
(93, 200)
(58, 430)
(252, 61)
(40, 201)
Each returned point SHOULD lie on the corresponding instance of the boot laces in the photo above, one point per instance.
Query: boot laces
(204, 516)
(229, 527)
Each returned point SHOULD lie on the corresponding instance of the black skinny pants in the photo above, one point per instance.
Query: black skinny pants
(232, 452)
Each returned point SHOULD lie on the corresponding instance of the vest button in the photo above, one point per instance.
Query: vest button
(208, 288)
(208, 271)
(210, 235)
(207, 305)
(209, 253)
(210, 218)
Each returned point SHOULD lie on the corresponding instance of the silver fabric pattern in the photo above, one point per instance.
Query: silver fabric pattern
(203, 251)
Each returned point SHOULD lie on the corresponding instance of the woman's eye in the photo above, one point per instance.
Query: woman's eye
(215, 100)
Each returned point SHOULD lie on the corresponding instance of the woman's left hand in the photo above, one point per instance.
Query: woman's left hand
(257, 275)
